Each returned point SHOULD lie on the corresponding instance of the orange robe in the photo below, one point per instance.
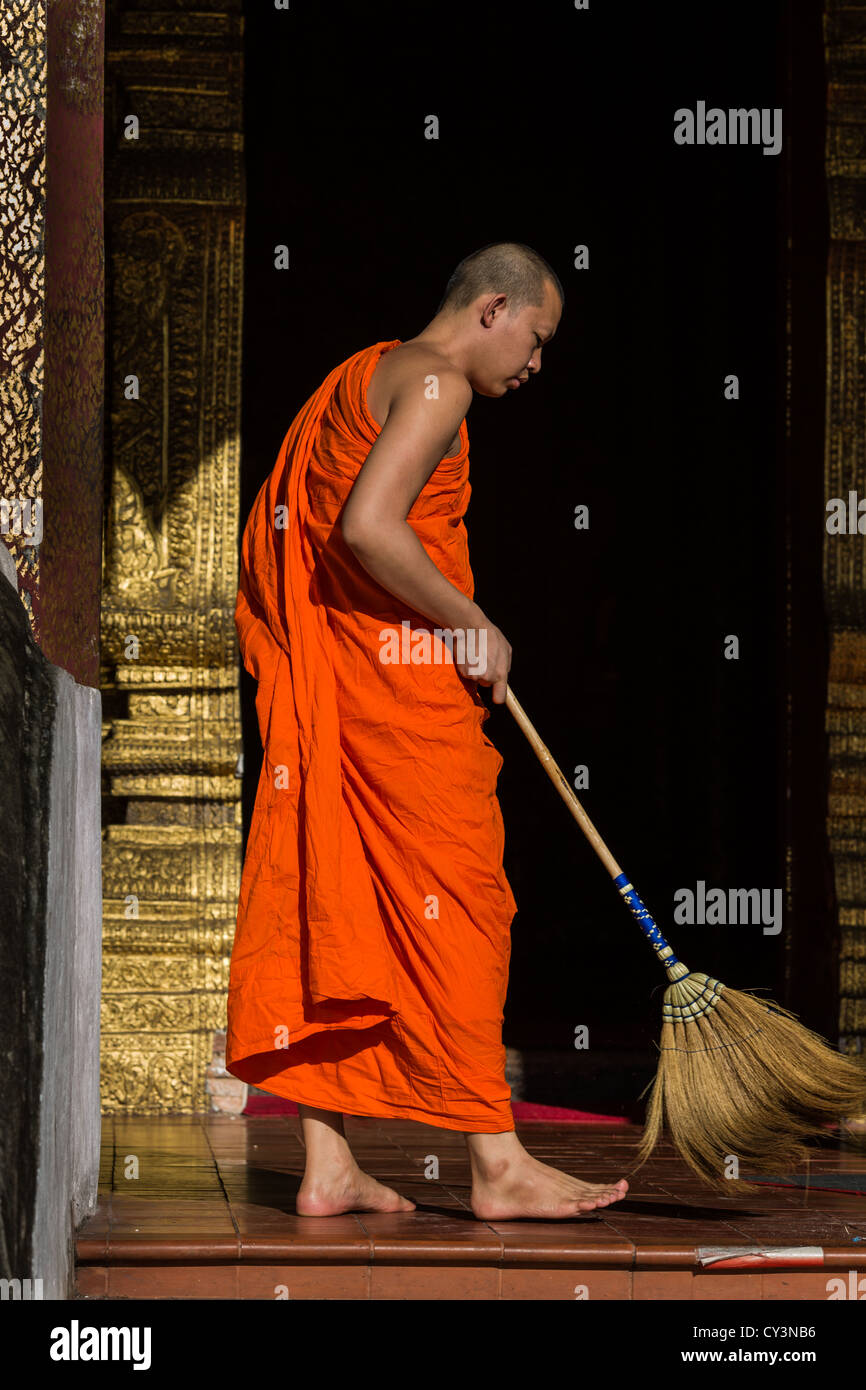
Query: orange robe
(370, 962)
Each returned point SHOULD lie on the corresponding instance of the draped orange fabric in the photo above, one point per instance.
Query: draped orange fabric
(370, 962)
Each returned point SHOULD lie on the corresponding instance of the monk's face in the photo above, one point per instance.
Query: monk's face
(511, 344)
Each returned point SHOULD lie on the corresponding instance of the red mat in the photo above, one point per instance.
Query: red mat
(522, 1109)
(822, 1182)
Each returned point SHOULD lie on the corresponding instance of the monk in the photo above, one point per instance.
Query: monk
(370, 962)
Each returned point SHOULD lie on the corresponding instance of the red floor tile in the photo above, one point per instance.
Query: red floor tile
(212, 1215)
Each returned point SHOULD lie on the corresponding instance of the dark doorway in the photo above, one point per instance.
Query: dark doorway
(556, 129)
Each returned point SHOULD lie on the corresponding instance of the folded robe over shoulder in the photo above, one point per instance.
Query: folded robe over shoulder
(370, 961)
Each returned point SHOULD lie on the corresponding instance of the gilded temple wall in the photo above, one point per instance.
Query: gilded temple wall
(172, 842)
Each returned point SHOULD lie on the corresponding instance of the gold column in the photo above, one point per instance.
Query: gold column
(172, 838)
(23, 92)
(845, 472)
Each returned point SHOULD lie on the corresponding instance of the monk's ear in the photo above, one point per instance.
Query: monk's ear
(492, 307)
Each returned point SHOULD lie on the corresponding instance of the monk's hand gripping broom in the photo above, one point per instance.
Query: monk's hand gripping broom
(738, 1077)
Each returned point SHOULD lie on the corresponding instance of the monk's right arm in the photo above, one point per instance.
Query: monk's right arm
(414, 438)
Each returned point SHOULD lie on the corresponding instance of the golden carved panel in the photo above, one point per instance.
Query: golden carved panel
(172, 851)
(128, 973)
(153, 1073)
(23, 83)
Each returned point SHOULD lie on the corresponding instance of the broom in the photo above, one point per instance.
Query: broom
(740, 1083)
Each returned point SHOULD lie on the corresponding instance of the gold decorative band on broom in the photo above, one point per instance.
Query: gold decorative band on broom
(739, 1078)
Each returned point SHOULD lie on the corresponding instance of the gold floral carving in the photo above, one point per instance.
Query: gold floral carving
(171, 731)
(23, 83)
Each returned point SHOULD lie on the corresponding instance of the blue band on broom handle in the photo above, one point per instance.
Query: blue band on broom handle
(643, 917)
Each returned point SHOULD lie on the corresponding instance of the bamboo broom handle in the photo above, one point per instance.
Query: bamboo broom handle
(627, 891)
(559, 780)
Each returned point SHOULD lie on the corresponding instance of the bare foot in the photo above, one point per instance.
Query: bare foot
(347, 1188)
(332, 1181)
(526, 1187)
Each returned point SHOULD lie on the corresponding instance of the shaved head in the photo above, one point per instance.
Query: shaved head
(501, 307)
(503, 267)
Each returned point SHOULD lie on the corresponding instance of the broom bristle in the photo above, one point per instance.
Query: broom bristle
(742, 1086)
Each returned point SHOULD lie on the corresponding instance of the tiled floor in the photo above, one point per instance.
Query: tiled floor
(211, 1214)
